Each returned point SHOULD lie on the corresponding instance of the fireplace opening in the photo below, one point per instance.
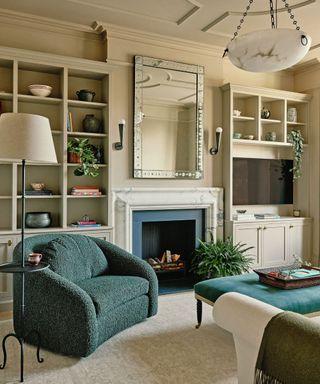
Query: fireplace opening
(167, 240)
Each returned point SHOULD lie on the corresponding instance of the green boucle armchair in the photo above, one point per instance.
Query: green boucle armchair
(91, 291)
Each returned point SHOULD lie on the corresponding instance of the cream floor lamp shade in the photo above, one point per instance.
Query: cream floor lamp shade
(28, 137)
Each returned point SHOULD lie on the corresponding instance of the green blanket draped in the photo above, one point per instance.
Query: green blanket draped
(289, 351)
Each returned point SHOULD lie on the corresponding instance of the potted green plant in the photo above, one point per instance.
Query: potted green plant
(220, 258)
(80, 151)
(296, 139)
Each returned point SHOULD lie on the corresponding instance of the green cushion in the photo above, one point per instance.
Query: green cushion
(75, 257)
(302, 300)
(109, 292)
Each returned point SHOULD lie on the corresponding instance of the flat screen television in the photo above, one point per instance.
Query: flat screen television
(262, 181)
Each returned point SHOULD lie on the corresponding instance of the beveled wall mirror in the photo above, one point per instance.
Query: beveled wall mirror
(168, 119)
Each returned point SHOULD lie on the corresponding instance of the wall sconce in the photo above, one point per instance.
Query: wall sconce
(214, 151)
(119, 145)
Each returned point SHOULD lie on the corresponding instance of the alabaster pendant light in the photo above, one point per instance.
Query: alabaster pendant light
(271, 49)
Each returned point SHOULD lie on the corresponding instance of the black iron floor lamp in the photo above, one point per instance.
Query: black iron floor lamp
(24, 138)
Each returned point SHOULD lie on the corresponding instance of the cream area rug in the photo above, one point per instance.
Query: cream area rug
(165, 349)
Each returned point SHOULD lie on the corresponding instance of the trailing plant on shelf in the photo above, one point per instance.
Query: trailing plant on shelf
(220, 258)
(88, 163)
(296, 139)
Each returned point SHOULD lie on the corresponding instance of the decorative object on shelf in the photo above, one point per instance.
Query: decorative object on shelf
(237, 135)
(34, 258)
(248, 137)
(41, 192)
(40, 90)
(85, 95)
(91, 124)
(37, 186)
(271, 49)
(99, 154)
(236, 113)
(297, 140)
(292, 115)
(271, 136)
(214, 151)
(119, 145)
(86, 222)
(27, 138)
(241, 211)
(38, 219)
(265, 113)
(220, 258)
(296, 212)
(88, 162)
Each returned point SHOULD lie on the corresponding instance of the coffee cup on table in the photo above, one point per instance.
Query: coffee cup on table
(34, 258)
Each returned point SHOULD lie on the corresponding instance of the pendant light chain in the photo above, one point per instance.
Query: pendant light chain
(245, 13)
(289, 10)
(273, 24)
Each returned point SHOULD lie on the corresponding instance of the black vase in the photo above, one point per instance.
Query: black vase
(91, 124)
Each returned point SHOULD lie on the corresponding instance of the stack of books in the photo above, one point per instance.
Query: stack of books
(85, 224)
(266, 216)
(243, 216)
(85, 191)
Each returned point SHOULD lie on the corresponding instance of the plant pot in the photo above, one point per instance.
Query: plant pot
(73, 158)
(91, 124)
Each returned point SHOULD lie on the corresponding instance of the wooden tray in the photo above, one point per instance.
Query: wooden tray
(281, 282)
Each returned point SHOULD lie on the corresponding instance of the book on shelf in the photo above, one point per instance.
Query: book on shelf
(266, 216)
(69, 122)
(243, 216)
(86, 222)
(42, 192)
(76, 225)
(85, 193)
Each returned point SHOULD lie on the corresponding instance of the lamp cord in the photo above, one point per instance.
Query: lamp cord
(273, 15)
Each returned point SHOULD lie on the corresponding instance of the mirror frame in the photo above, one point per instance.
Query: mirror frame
(198, 70)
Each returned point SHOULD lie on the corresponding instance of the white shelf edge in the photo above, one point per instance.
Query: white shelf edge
(295, 123)
(5, 197)
(243, 118)
(85, 197)
(39, 99)
(6, 96)
(86, 104)
(41, 197)
(270, 121)
(87, 134)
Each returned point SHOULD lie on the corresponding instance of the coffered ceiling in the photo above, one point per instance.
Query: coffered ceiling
(203, 21)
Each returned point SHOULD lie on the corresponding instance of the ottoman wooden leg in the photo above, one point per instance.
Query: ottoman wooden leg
(199, 313)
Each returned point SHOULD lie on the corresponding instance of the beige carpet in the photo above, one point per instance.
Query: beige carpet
(166, 349)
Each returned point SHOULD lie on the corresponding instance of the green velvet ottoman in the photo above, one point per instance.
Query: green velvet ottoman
(301, 300)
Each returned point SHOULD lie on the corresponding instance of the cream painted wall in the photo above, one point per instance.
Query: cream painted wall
(120, 47)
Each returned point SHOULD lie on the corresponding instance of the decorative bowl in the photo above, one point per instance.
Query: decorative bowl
(38, 219)
(40, 90)
(37, 186)
(248, 137)
(241, 211)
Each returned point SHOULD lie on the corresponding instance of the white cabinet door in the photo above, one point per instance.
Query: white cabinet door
(299, 241)
(6, 251)
(249, 234)
(274, 244)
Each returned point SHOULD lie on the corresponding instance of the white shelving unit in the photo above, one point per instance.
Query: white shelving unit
(269, 237)
(66, 75)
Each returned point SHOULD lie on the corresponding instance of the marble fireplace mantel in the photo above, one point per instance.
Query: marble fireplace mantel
(127, 200)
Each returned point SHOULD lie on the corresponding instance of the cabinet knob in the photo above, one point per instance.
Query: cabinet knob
(9, 243)
(264, 228)
(291, 226)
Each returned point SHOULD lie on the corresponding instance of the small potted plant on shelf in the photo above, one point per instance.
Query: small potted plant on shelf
(80, 151)
(220, 258)
(296, 139)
